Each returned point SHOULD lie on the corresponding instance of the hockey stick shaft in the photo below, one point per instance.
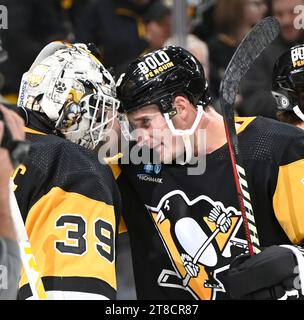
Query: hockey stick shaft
(246, 210)
(27, 257)
(255, 42)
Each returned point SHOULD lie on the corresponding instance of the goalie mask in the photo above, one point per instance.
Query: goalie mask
(157, 78)
(288, 81)
(73, 89)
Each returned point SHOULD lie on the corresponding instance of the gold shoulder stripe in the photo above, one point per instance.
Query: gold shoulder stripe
(115, 170)
(244, 122)
(122, 228)
(29, 130)
(114, 159)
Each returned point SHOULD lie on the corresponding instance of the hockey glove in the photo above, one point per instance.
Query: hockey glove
(275, 273)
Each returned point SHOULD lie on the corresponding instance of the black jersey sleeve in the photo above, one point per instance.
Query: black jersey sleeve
(70, 204)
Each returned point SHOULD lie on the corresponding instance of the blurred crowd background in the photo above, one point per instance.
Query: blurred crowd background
(125, 29)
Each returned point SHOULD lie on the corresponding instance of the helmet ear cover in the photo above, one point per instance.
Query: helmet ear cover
(288, 76)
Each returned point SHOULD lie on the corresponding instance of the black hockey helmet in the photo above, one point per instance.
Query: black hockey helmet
(157, 77)
(288, 78)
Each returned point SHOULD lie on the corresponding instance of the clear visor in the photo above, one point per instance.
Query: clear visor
(132, 129)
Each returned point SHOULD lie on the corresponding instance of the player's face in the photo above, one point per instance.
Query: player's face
(284, 11)
(255, 10)
(150, 129)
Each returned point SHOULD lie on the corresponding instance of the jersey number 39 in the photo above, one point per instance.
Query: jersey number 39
(76, 242)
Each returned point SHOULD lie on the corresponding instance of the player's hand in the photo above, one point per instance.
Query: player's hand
(272, 274)
(221, 219)
(191, 268)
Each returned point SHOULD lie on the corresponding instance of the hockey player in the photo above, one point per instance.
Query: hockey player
(186, 230)
(69, 202)
(288, 86)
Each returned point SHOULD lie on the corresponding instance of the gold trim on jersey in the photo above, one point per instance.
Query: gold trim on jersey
(115, 170)
(244, 122)
(29, 130)
(45, 233)
(21, 169)
(288, 200)
(122, 228)
(113, 160)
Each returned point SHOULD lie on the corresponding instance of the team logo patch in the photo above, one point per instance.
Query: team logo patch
(297, 57)
(148, 168)
(157, 168)
(154, 64)
(201, 237)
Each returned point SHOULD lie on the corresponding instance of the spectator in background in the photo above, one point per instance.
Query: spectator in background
(69, 11)
(158, 25)
(256, 10)
(288, 86)
(205, 27)
(9, 251)
(32, 24)
(198, 48)
(233, 20)
(256, 86)
(119, 29)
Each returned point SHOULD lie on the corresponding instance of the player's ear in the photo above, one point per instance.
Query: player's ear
(182, 105)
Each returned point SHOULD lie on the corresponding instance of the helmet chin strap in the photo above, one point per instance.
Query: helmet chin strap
(186, 134)
(188, 149)
(298, 112)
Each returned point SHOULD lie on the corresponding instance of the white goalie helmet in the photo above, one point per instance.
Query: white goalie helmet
(74, 90)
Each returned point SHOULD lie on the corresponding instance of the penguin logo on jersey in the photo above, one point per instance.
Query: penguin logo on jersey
(201, 237)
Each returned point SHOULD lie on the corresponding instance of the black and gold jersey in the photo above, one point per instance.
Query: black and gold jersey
(71, 205)
(180, 249)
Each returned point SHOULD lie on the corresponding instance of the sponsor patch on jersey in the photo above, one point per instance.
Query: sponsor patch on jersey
(154, 64)
(297, 57)
(146, 177)
(150, 168)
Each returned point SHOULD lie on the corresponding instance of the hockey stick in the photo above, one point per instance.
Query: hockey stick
(18, 151)
(27, 257)
(254, 43)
